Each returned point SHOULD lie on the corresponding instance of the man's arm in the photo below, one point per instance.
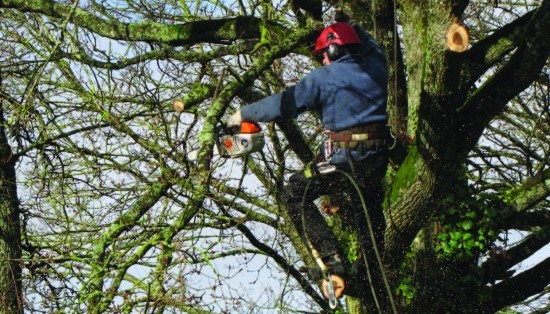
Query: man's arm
(264, 110)
(286, 105)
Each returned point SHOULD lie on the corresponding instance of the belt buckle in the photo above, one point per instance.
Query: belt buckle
(360, 137)
(325, 167)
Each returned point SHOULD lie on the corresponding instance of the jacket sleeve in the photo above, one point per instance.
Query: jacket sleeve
(288, 104)
(264, 110)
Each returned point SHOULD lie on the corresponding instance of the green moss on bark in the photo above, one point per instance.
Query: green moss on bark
(404, 177)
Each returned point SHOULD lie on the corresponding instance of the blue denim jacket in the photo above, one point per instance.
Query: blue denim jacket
(351, 91)
(346, 93)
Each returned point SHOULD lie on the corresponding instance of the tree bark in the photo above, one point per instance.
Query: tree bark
(10, 229)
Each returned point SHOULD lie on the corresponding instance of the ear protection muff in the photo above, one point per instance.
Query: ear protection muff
(334, 51)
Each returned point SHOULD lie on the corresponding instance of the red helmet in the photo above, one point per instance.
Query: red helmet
(339, 33)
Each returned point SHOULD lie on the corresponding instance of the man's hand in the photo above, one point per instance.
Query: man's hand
(235, 119)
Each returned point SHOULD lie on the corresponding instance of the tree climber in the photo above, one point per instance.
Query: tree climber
(349, 92)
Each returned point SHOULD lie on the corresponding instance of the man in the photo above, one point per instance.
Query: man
(349, 92)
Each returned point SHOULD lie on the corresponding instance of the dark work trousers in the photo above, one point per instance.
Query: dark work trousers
(368, 174)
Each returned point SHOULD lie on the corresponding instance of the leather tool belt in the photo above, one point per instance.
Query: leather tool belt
(363, 137)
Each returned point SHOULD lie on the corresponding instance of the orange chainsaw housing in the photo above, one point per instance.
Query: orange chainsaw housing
(248, 140)
(250, 127)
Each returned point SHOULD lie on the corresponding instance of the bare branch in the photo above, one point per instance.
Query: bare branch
(524, 66)
(214, 31)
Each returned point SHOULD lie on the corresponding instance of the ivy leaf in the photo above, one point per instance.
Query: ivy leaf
(466, 224)
(456, 235)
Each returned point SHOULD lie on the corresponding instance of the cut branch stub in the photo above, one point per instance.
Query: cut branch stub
(179, 105)
(457, 37)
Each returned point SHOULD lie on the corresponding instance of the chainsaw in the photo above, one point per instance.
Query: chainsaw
(240, 140)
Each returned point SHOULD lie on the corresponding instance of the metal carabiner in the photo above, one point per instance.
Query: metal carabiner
(332, 301)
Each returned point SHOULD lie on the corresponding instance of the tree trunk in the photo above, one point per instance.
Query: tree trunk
(10, 230)
(443, 285)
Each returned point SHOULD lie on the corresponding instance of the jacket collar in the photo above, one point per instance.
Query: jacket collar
(347, 59)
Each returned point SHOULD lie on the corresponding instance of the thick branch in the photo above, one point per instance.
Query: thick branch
(532, 281)
(527, 221)
(312, 7)
(212, 31)
(530, 193)
(296, 141)
(533, 191)
(500, 261)
(492, 49)
(160, 54)
(524, 67)
(10, 226)
(410, 206)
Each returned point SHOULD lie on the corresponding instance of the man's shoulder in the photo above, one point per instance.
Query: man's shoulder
(318, 73)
